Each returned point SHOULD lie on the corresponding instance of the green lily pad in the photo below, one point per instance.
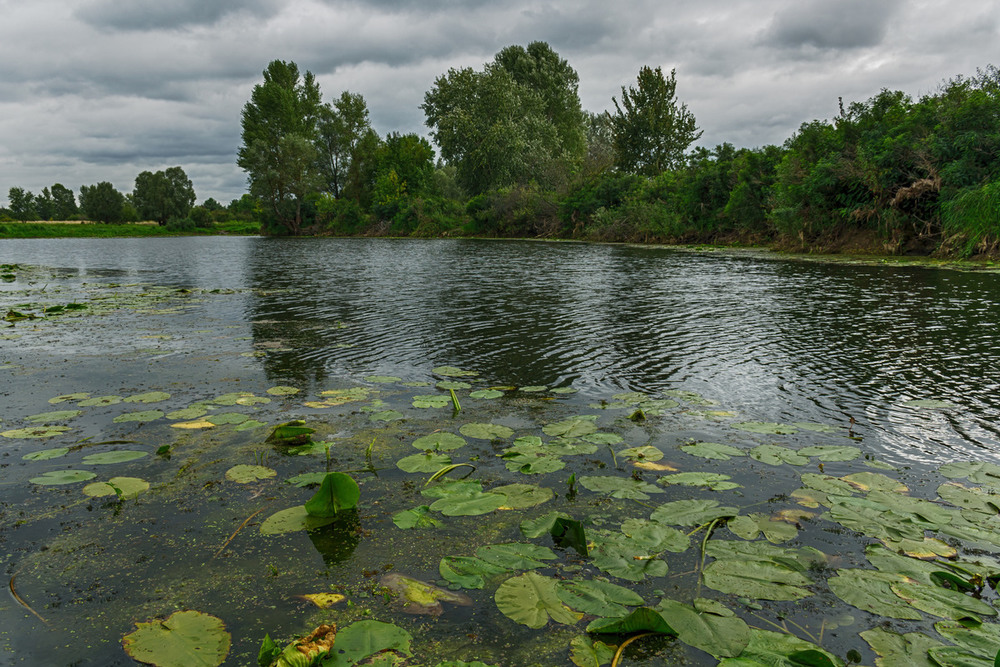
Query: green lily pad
(830, 453)
(419, 597)
(247, 474)
(777, 455)
(365, 638)
(642, 619)
(306, 479)
(942, 601)
(283, 390)
(532, 528)
(619, 487)
(597, 598)
(382, 379)
(386, 416)
(721, 636)
(486, 431)
(533, 388)
(585, 652)
(148, 397)
(468, 571)
(563, 390)
(712, 480)
(472, 504)
(574, 427)
(59, 477)
(440, 441)
(451, 371)
(759, 579)
(452, 385)
(768, 428)
(486, 394)
(603, 439)
(99, 401)
(815, 428)
(78, 396)
(187, 413)
(293, 519)
(53, 416)
(117, 456)
(429, 462)
(870, 590)
(130, 487)
(644, 453)
(778, 648)
(980, 472)
(416, 517)
(336, 493)
(249, 425)
(531, 599)
(523, 496)
(227, 418)
(691, 512)
(713, 450)
(929, 403)
(895, 649)
(34, 432)
(185, 639)
(142, 416)
(515, 555)
(46, 454)
(750, 526)
(431, 401)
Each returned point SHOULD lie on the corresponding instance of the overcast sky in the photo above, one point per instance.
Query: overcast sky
(100, 90)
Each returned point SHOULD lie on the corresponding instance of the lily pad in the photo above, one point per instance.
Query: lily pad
(429, 462)
(486, 394)
(187, 414)
(523, 496)
(767, 428)
(691, 512)
(382, 379)
(531, 599)
(713, 450)
(416, 517)
(720, 635)
(185, 639)
(34, 432)
(77, 396)
(293, 519)
(895, 649)
(336, 493)
(574, 427)
(451, 371)
(130, 487)
(247, 474)
(761, 579)
(830, 453)
(644, 453)
(419, 597)
(619, 487)
(440, 441)
(777, 455)
(597, 598)
(283, 390)
(59, 477)
(386, 416)
(142, 416)
(117, 456)
(929, 403)
(148, 397)
(53, 416)
(713, 480)
(364, 638)
(46, 454)
(533, 388)
(99, 401)
(431, 401)
(486, 431)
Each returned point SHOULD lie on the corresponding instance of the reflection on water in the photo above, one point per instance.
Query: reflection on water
(774, 339)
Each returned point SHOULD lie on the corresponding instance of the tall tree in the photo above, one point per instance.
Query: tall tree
(507, 124)
(279, 142)
(163, 195)
(341, 126)
(63, 202)
(44, 204)
(102, 203)
(22, 204)
(651, 130)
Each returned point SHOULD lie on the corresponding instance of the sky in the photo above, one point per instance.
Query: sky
(101, 90)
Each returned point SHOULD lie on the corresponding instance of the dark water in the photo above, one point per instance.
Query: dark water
(774, 339)
(770, 339)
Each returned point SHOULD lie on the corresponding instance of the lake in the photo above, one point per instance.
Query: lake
(586, 375)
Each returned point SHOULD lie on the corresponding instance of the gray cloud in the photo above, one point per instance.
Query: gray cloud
(820, 24)
(166, 14)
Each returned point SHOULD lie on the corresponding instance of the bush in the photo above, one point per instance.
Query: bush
(181, 225)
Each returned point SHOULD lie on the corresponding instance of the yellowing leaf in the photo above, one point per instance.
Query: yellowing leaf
(651, 465)
(197, 423)
(324, 600)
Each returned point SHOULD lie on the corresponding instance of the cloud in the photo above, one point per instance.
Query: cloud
(166, 14)
(820, 24)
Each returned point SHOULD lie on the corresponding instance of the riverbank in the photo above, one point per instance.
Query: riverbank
(74, 229)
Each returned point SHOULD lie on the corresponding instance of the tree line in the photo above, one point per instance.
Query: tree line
(166, 197)
(520, 157)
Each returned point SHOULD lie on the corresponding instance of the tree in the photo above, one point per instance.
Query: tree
(102, 203)
(651, 132)
(44, 204)
(509, 123)
(279, 142)
(22, 204)
(341, 127)
(63, 203)
(163, 195)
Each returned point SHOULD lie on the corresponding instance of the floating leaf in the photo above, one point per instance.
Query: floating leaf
(691, 512)
(644, 453)
(337, 492)
(941, 601)
(364, 638)
(603, 438)
(867, 481)
(282, 390)
(98, 401)
(386, 416)
(749, 527)
(619, 487)
(654, 537)
(117, 456)
(768, 428)
(46, 454)
(451, 371)
(486, 431)
(382, 379)
(148, 397)
(129, 487)
(523, 496)
(246, 474)
(35, 432)
(184, 639)
(532, 528)
(142, 416)
(227, 418)
(78, 396)
(428, 463)
(642, 619)
(431, 401)
(831, 453)
(515, 555)
(452, 385)
(306, 479)
(417, 517)
(780, 648)
(193, 412)
(419, 597)
(713, 450)
(597, 598)
(193, 425)
(895, 649)
(486, 394)
(722, 636)
(816, 428)
(293, 519)
(467, 571)
(58, 477)
(324, 600)
(574, 427)
(531, 599)
(761, 579)
(871, 591)
(713, 480)
(930, 403)
(776, 455)
(587, 653)
(54, 416)
(562, 390)
(980, 472)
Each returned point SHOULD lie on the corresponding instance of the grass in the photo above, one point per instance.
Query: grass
(32, 230)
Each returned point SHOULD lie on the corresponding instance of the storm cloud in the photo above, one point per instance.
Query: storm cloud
(97, 90)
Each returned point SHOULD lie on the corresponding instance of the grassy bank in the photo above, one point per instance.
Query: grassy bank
(32, 230)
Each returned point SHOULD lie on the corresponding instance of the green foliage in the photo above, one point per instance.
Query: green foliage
(102, 203)
(651, 131)
(163, 195)
(971, 220)
(22, 204)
